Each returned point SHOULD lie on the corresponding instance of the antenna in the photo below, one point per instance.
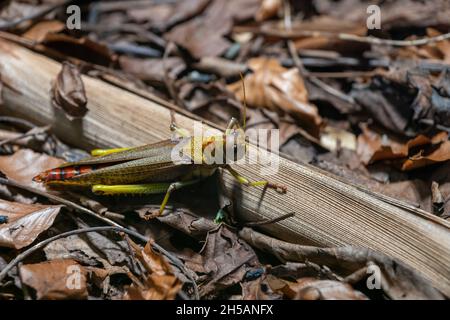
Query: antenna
(245, 101)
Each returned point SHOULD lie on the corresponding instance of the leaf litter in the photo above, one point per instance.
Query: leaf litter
(377, 116)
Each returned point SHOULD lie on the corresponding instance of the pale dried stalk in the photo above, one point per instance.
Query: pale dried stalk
(328, 212)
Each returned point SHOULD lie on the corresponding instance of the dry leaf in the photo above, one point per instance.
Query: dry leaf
(223, 261)
(435, 51)
(274, 87)
(334, 138)
(151, 70)
(39, 31)
(82, 48)
(374, 147)
(68, 92)
(398, 280)
(160, 283)
(314, 289)
(268, 9)
(56, 279)
(438, 154)
(23, 165)
(204, 35)
(25, 222)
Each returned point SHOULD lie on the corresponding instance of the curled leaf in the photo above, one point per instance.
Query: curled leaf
(68, 92)
(314, 289)
(24, 222)
(273, 87)
(159, 283)
(438, 154)
(373, 147)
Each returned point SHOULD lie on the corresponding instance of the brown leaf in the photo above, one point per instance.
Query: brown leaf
(56, 279)
(435, 51)
(398, 280)
(151, 70)
(438, 154)
(253, 290)
(25, 222)
(374, 147)
(68, 92)
(223, 261)
(279, 89)
(40, 30)
(268, 9)
(23, 165)
(82, 48)
(314, 289)
(204, 35)
(1, 91)
(160, 283)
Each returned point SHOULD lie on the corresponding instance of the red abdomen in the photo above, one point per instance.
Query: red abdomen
(61, 174)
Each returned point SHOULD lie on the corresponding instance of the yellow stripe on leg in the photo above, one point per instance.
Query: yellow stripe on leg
(152, 188)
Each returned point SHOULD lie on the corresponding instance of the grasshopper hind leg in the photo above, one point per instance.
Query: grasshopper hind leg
(139, 189)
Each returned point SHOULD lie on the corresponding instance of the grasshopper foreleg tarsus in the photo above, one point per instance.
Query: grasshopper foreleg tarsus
(104, 152)
(264, 183)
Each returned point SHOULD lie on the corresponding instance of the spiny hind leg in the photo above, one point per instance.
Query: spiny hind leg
(150, 188)
(104, 152)
(264, 183)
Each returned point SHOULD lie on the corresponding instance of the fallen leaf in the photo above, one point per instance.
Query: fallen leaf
(315, 289)
(39, 31)
(435, 51)
(80, 48)
(398, 281)
(258, 289)
(68, 92)
(151, 70)
(25, 222)
(204, 35)
(23, 165)
(268, 9)
(374, 147)
(160, 283)
(333, 138)
(1, 90)
(438, 154)
(278, 89)
(56, 279)
(223, 261)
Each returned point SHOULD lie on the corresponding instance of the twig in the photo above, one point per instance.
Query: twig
(58, 199)
(176, 262)
(268, 221)
(18, 121)
(30, 133)
(298, 62)
(33, 16)
(431, 123)
(268, 30)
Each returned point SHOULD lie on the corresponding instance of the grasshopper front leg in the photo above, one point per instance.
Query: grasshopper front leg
(264, 183)
(150, 188)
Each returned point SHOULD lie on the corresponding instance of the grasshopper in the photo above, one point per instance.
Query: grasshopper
(149, 169)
